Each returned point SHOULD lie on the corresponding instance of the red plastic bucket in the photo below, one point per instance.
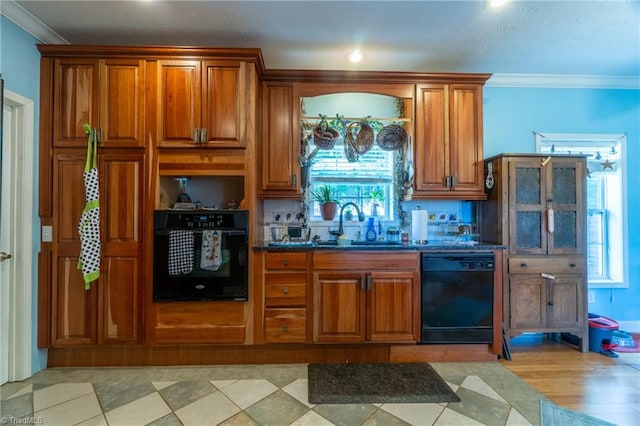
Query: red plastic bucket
(600, 329)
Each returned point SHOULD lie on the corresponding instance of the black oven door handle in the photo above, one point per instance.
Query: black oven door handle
(225, 233)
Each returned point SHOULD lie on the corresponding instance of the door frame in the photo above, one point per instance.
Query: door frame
(21, 165)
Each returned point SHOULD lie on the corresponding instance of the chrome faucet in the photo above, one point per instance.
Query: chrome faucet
(360, 216)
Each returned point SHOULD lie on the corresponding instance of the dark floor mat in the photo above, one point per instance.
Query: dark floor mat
(377, 383)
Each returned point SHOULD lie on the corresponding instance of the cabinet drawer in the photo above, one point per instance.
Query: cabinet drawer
(367, 260)
(285, 260)
(549, 265)
(285, 325)
(286, 289)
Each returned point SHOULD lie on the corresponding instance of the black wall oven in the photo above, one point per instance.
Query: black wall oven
(200, 255)
(457, 297)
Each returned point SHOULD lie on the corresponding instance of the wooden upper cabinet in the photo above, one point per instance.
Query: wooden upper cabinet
(202, 103)
(280, 145)
(448, 142)
(108, 94)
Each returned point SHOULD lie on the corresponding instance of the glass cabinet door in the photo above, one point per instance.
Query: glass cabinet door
(545, 205)
(527, 195)
(565, 196)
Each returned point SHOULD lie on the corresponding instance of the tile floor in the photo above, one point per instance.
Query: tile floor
(252, 395)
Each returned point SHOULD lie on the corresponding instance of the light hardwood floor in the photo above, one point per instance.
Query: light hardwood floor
(590, 383)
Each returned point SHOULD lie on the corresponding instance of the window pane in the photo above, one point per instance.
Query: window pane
(594, 191)
(596, 244)
(367, 182)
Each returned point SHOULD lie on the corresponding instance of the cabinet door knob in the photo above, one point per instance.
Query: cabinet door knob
(285, 262)
(285, 290)
(285, 328)
(294, 180)
(524, 265)
(573, 265)
(196, 135)
(203, 135)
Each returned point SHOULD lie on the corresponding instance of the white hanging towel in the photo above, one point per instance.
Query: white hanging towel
(211, 257)
(89, 225)
(180, 252)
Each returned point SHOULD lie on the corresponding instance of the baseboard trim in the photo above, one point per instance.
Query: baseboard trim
(630, 326)
(141, 355)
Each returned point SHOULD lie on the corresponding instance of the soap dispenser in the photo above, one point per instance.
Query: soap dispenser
(371, 235)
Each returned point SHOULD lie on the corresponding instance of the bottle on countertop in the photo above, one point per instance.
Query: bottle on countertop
(370, 234)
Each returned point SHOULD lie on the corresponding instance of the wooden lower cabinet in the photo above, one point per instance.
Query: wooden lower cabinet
(541, 303)
(200, 322)
(287, 325)
(358, 305)
(285, 297)
(110, 310)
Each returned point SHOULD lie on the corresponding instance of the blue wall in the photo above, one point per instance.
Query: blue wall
(20, 68)
(511, 115)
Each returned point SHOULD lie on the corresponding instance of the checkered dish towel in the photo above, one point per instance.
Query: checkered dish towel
(180, 252)
(89, 226)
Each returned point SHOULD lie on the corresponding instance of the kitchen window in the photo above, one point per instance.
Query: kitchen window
(369, 182)
(606, 212)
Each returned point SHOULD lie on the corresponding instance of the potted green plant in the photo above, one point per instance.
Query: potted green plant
(326, 196)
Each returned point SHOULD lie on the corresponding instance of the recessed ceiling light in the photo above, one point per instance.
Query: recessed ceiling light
(497, 3)
(355, 55)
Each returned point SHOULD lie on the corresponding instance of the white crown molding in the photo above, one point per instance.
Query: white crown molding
(564, 81)
(25, 20)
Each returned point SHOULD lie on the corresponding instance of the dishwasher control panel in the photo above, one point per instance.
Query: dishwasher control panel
(464, 261)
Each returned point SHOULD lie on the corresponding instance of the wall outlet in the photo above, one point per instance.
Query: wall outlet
(592, 297)
(47, 234)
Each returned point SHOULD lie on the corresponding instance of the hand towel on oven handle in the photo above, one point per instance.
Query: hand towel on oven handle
(180, 252)
(211, 253)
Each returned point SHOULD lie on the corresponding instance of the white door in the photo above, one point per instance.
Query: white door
(5, 252)
(16, 247)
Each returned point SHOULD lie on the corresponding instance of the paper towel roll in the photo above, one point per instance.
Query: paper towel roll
(419, 225)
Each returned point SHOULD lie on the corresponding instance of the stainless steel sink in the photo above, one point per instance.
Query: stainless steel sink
(375, 243)
(358, 243)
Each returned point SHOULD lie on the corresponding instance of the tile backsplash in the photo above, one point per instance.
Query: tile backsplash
(442, 214)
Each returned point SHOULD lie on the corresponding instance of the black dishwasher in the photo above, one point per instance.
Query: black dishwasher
(457, 297)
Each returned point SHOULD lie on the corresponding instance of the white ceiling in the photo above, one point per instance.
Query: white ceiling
(559, 38)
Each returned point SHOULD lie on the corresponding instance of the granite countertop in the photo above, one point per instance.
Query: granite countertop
(379, 245)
